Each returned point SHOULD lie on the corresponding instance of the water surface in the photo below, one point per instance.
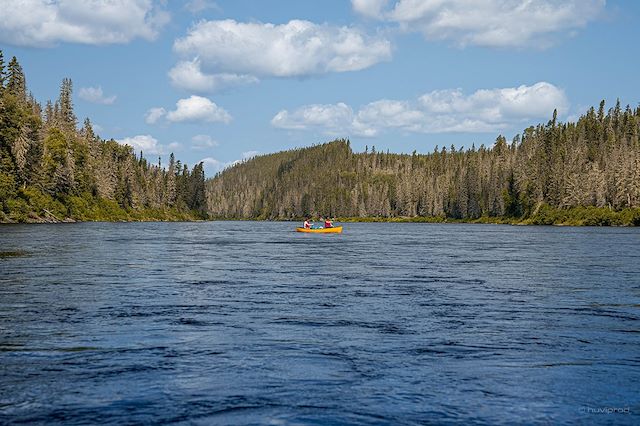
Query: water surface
(251, 323)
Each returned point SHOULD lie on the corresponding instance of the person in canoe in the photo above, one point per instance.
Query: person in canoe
(307, 224)
(328, 223)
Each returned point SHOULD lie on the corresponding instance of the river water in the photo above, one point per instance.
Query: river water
(252, 323)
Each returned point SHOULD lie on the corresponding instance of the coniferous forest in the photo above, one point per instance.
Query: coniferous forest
(585, 173)
(51, 170)
(582, 173)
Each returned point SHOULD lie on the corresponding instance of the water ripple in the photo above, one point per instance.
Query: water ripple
(217, 323)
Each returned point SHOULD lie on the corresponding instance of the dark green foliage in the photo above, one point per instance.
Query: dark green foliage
(16, 84)
(67, 118)
(512, 199)
(585, 173)
(2, 72)
(50, 170)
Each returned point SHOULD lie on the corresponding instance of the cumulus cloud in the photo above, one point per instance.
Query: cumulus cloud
(440, 111)
(192, 109)
(188, 75)
(44, 23)
(498, 105)
(145, 143)
(332, 118)
(227, 52)
(213, 166)
(369, 8)
(389, 114)
(493, 23)
(297, 48)
(154, 114)
(196, 108)
(95, 95)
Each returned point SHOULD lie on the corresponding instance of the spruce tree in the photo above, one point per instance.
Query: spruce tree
(171, 182)
(2, 72)
(65, 101)
(16, 84)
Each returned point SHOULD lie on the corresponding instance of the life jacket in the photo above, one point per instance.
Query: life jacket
(328, 224)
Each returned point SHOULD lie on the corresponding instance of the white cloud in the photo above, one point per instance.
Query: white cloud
(442, 111)
(145, 143)
(297, 48)
(44, 23)
(202, 142)
(191, 109)
(388, 114)
(498, 105)
(198, 109)
(96, 96)
(188, 75)
(154, 114)
(213, 166)
(369, 8)
(493, 23)
(332, 118)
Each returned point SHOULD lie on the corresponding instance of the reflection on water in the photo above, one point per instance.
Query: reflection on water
(241, 322)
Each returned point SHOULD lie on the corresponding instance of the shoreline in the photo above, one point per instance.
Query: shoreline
(577, 216)
(545, 216)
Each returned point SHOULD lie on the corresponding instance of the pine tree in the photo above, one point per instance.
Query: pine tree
(87, 131)
(57, 168)
(67, 116)
(171, 182)
(49, 115)
(47, 163)
(20, 150)
(197, 188)
(2, 72)
(16, 84)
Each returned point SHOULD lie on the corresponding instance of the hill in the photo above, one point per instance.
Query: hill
(585, 172)
(52, 171)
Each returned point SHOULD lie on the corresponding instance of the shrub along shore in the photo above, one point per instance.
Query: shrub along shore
(576, 216)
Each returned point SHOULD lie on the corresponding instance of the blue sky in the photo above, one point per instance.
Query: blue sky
(222, 80)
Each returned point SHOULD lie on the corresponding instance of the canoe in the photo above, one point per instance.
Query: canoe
(334, 230)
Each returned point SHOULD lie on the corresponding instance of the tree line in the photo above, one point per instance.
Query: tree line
(582, 172)
(52, 170)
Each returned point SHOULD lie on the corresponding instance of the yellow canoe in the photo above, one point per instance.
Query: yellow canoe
(334, 230)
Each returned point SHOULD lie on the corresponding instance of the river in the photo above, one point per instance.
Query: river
(252, 323)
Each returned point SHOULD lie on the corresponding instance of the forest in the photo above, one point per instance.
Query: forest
(576, 173)
(51, 170)
(585, 172)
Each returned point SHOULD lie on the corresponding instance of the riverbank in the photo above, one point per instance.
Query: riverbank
(544, 215)
(36, 219)
(576, 216)
(108, 211)
(35, 207)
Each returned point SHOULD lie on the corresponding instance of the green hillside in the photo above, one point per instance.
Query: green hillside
(52, 171)
(584, 173)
